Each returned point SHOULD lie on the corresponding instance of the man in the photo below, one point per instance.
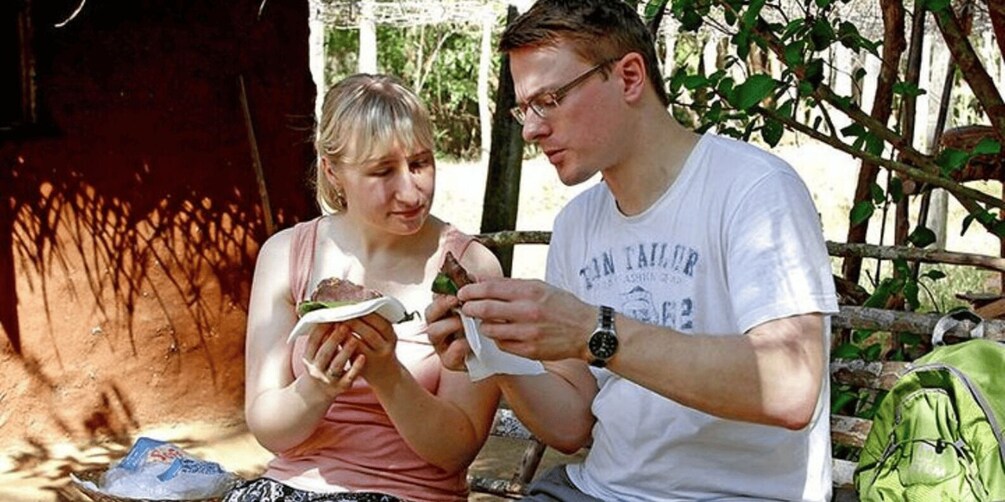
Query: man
(708, 377)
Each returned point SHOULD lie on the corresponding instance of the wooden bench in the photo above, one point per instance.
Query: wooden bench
(846, 431)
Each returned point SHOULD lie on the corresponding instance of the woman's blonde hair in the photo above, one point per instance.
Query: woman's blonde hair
(372, 113)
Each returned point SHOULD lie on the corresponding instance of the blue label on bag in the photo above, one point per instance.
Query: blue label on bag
(138, 454)
(190, 465)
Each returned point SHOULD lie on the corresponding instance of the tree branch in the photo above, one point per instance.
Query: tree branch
(964, 194)
(973, 71)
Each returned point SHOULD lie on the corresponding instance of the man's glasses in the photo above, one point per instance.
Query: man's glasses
(544, 102)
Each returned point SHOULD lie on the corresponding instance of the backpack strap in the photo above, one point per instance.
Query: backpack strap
(965, 319)
(302, 257)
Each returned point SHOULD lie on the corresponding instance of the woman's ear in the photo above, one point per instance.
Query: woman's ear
(632, 72)
(329, 171)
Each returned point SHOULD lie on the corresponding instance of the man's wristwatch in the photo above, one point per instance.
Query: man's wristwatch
(603, 343)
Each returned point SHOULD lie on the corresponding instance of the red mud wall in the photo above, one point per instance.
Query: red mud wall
(130, 215)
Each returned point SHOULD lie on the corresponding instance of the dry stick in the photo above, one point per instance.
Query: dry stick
(911, 322)
(256, 161)
(513, 237)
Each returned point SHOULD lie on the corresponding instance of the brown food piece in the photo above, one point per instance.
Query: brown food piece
(340, 290)
(453, 269)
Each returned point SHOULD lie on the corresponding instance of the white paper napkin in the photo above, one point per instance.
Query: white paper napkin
(388, 307)
(486, 359)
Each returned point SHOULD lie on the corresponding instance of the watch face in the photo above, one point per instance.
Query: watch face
(603, 344)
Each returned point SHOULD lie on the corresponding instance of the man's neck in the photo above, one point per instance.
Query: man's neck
(661, 148)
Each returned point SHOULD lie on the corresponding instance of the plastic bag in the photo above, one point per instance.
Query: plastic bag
(160, 470)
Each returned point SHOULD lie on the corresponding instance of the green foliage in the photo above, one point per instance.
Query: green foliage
(440, 62)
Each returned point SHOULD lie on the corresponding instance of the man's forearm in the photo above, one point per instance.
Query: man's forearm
(555, 406)
(771, 375)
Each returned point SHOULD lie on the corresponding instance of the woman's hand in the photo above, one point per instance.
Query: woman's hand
(446, 333)
(328, 353)
(377, 342)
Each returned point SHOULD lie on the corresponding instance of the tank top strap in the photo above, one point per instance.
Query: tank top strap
(302, 247)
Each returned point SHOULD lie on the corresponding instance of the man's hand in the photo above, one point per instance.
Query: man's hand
(443, 326)
(531, 318)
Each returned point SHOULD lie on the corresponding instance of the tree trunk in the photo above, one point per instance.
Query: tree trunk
(502, 188)
(484, 67)
(367, 39)
(996, 9)
(882, 105)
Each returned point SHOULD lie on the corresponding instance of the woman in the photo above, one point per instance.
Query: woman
(363, 409)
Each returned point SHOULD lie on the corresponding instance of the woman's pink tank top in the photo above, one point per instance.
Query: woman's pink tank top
(356, 447)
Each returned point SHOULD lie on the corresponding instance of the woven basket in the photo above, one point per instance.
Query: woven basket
(94, 476)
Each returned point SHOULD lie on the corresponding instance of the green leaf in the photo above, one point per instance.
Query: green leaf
(934, 275)
(840, 399)
(879, 297)
(444, 285)
(795, 26)
(692, 82)
(785, 109)
(987, 146)
(823, 4)
(911, 294)
(922, 236)
(772, 132)
(878, 195)
(309, 306)
(726, 86)
(951, 160)
(936, 5)
(907, 89)
(846, 351)
(849, 36)
(967, 220)
(909, 339)
(691, 20)
(998, 228)
(873, 144)
(861, 335)
(677, 80)
(853, 130)
(872, 352)
(861, 212)
(822, 34)
(752, 91)
(793, 55)
(814, 73)
(653, 7)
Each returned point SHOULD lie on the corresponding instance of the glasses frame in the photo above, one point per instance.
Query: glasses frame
(556, 96)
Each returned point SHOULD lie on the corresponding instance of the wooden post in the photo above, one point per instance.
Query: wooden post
(367, 39)
(484, 67)
(256, 161)
(502, 188)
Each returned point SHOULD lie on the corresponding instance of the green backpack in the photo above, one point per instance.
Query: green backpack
(938, 433)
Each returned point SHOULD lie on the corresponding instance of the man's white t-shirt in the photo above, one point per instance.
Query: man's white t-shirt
(733, 243)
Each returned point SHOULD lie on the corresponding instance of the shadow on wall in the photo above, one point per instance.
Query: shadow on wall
(118, 240)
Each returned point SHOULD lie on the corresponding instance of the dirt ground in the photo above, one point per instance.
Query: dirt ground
(43, 474)
(38, 471)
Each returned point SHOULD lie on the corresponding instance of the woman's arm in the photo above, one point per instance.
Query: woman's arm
(283, 411)
(447, 428)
